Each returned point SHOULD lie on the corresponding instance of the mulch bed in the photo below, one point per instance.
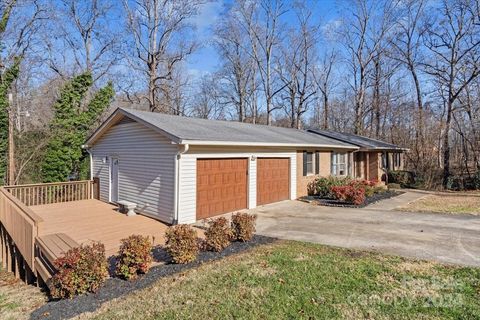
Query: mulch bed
(115, 287)
(337, 203)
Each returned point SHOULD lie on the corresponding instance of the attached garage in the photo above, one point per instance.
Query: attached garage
(273, 180)
(221, 186)
(180, 170)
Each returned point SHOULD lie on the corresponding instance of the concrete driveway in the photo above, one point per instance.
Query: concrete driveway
(445, 238)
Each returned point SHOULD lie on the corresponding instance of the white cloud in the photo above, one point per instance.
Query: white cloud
(208, 15)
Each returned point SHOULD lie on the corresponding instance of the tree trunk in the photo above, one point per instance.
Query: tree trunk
(325, 111)
(446, 145)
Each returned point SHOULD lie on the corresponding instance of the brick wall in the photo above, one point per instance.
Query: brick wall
(304, 182)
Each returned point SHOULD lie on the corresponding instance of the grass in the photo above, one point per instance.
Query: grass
(290, 280)
(445, 204)
(17, 299)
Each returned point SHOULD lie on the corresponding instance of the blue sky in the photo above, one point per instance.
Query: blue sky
(206, 60)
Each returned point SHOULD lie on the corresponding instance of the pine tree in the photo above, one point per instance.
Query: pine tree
(64, 156)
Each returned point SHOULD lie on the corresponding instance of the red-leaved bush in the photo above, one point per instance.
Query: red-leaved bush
(134, 257)
(243, 226)
(352, 193)
(219, 234)
(81, 270)
(181, 243)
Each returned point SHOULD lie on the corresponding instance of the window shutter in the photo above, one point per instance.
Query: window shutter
(332, 164)
(317, 162)
(304, 163)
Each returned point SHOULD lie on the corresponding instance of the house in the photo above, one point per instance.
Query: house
(371, 161)
(179, 170)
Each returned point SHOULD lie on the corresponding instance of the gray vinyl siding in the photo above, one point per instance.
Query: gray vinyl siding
(146, 168)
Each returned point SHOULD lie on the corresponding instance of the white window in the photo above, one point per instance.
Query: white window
(339, 164)
(309, 162)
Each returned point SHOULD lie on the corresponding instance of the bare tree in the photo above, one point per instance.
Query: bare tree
(237, 71)
(364, 31)
(81, 38)
(261, 21)
(296, 66)
(160, 31)
(323, 76)
(406, 46)
(454, 42)
(207, 99)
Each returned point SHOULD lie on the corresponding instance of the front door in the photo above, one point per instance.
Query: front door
(114, 180)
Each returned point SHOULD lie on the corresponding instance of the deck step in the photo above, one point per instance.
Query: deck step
(42, 270)
(49, 248)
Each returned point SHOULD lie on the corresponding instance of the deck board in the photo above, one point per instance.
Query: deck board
(92, 220)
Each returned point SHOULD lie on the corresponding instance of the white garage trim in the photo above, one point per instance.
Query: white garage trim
(187, 203)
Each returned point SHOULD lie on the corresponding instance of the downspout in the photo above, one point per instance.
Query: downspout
(183, 148)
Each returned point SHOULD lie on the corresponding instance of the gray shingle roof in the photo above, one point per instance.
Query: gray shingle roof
(185, 129)
(360, 141)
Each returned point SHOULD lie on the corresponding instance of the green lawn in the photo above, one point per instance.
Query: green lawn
(288, 280)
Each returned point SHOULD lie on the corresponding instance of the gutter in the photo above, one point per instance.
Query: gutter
(265, 144)
(183, 148)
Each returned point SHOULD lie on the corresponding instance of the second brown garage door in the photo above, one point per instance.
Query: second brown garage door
(273, 180)
(221, 186)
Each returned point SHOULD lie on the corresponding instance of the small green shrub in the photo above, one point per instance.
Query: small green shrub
(243, 226)
(476, 180)
(406, 179)
(218, 235)
(134, 257)
(393, 186)
(81, 270)
(369, 191)
(380, 189)
(181, 243)
(323, 186)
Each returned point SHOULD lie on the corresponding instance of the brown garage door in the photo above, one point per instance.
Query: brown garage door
(221, 186)
(273, 180)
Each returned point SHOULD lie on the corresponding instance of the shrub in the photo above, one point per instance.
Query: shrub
(81, 270)
(243, 225)
(405, 179)
(393, 186)
(369, 191)
(351, 193)
(134, 257)
(218, 235)
(181, 243)
(380, 189)
(323, 186)
(476, 180)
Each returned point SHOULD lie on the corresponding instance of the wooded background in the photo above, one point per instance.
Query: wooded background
(404, 71)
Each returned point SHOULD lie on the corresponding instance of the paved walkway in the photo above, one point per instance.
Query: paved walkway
(446, 238)
(396, 202)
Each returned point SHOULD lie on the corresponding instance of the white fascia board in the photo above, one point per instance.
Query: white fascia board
(264, 144)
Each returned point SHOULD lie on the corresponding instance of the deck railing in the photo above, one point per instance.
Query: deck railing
(48, 193)
(19, 226)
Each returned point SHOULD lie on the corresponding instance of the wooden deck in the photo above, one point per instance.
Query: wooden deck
(92, 220)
